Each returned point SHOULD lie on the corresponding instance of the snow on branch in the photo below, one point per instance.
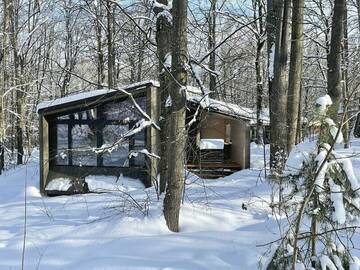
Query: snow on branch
(135, 153)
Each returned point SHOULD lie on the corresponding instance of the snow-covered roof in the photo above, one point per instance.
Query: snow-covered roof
(72, 98)
(194, 95)
(90, 94)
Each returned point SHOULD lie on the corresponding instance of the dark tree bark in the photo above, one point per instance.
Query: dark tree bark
(334, 86)
(260, 42)
(277, 28)
(69, 51)
(4, 79)
(99, 46)
(211, 45)
(177, 136)
(110, 43)
(163, 41)
(295, 73)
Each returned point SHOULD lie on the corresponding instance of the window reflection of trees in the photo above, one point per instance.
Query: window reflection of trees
(100, 127)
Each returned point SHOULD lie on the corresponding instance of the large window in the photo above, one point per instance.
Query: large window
(97, 137)
(138, 144)
(62, 157)
(84, 141)
(118, 152)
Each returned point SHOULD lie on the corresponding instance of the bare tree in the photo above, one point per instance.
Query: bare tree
(277, 30)
(334, 86)
(4, 57)
(177, 136)
(211, 46)
(110, 43)
(295, 72)
(163, 41)
(260, 42)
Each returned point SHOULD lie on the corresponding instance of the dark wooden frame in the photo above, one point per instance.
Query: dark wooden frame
(100, 123)
(48, 121)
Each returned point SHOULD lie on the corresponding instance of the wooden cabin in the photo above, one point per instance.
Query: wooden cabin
(93, 133)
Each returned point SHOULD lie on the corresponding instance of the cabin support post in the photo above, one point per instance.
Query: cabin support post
(44, 152)
(153, 136)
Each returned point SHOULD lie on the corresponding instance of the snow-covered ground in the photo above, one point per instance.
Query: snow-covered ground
(224, 223)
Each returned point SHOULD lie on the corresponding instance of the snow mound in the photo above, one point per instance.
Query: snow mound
(59, 184)
(102, 183)
(97, 183)
(32, 191)
(298, 155)
(323, 103)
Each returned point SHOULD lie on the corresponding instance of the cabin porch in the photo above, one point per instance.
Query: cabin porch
(219, 146)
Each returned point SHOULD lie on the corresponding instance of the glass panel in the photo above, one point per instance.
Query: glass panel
(91, 114)
(64, 117)
(62, 145)
(119, 155)
(83, 115)
(84, 140)
(139, 144)
(124, 110)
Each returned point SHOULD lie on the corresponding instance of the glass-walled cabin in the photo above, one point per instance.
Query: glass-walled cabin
(96, 135)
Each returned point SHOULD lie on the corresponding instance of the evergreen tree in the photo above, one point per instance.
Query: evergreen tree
(330, 208)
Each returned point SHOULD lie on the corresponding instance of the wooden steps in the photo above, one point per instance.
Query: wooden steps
(212, 170)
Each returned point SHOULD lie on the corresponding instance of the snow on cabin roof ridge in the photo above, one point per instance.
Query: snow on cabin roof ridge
(92, 93)
(220, 106)
(72, 97)
(194, 95)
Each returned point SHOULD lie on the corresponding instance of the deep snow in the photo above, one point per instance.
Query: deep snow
(222, 223)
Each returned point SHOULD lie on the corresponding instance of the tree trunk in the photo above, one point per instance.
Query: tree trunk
(100, 52)
(358, 11)
(211, 46)
(277, 27)
(260, 42)
(110, 45)
(299, 130)
(18, 82)
(177, 138)
(334, 86)
(163, 41)
(345, 65)
(68, 52)
(295, 73)
(4, 77)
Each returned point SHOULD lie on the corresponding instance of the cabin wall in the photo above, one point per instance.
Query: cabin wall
(213, 127)
(234, 131)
